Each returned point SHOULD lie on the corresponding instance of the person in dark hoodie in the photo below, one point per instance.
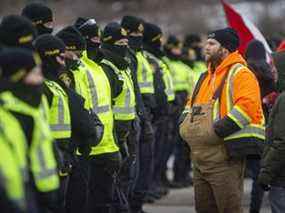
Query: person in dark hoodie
(272, 176)
(41, 17)
(30, 111)
(255, 56)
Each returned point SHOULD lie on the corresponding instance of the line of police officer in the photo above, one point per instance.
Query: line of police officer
(88, 118)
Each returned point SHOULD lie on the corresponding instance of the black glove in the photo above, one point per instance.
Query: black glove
(99, 128)
(85, 150)
(264, 181)
(147, 132)
(66, 167)
(127, 164)
(49, 200)
(124, 150)
(63, 158)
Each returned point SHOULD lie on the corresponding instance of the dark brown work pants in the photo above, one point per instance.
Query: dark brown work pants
(219, 189)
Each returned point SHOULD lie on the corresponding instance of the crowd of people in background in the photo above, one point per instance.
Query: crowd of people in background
(89, 116)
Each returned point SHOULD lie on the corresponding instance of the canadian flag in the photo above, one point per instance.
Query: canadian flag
(244, 27)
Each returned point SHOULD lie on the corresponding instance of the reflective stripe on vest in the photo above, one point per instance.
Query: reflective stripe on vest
(82, 85)
(14, 135)
(96, 108)
(11, 180)
(166, 76)
(198, 69)
(237, 114)
(42, 161)
(144, 74)
(101, 86)
(124, 107)
(59, 117)
(181, 75)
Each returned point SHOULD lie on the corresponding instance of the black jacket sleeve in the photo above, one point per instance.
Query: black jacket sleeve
(225, 127)
(140, 107)
(83, 123)
(159, 89)
(274, 156)
(48, 94)
(115, 82)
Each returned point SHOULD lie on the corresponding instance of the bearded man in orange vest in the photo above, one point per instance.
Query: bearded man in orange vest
(223, 124)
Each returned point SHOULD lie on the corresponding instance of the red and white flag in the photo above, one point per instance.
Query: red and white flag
(244, 27)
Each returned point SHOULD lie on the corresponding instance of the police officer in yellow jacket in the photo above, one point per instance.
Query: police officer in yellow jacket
(14, 164)
(12, 184)
(142, 76)
(115, 63)
(183, 83)
(68, 107)
(193, 56)
(23, 96)
(165, 96)
(76, 79)
(104, 158)
(12, 193)
(79, 78)
(41, 16)
(59, 113)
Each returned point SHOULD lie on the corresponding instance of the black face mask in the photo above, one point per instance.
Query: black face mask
(92, 49)
(32, 94)
(199, 53)
(72, 64)
(51, 68)
(156, 44)
(44, 30)
(120, 50)
(173, 55)
(135, 42)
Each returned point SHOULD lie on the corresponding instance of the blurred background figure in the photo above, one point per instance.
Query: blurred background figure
(255, 56)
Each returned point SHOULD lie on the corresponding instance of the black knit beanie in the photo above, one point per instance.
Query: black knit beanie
(113, 32)
(38, 13)
(132, 24)
(255, 51)
(72, 39)
(16, 31)
(49, 46)
(227, 37)
(87, 27)
(172, 42)
(152, 33)
(16, 63)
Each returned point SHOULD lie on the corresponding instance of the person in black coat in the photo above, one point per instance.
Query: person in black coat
(255, 56)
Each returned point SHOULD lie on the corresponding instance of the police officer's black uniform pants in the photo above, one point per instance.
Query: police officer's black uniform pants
(103, 170)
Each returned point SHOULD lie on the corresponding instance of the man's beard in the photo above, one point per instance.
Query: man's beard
(216, 58)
